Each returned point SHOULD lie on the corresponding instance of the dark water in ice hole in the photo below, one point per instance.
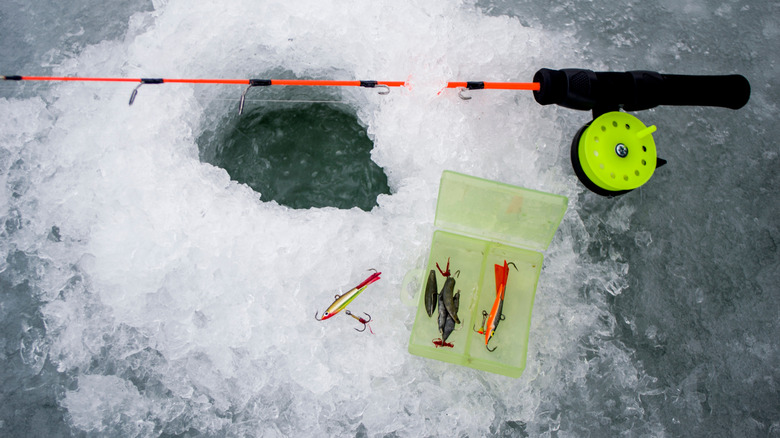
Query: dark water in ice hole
(301, 155)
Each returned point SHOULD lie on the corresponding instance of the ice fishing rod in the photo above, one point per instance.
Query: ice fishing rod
(611, 155)
(248, 82)
(385, 85)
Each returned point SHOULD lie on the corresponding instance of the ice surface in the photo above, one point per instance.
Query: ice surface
(146, 294)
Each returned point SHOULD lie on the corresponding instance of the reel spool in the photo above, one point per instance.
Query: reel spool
(614, 154)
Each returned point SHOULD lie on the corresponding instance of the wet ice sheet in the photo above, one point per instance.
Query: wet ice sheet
(150, 294)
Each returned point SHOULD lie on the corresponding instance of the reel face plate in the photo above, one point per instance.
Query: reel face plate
(617, 152)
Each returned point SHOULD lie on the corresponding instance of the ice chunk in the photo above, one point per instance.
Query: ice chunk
(108, 405)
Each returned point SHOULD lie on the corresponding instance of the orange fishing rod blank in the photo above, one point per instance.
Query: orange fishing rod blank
(315, 83)
(207, 81)
(185, 81)
(77, 79)
(392, 83)
(329, 83)
(533, 86)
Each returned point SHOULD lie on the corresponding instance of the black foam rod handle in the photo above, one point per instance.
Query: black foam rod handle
(637, 90)
(730, 91)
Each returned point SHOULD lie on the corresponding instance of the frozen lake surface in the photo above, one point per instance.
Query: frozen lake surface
(145, 293)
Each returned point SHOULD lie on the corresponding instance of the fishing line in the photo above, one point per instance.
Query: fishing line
(10, 87)
(227, 99)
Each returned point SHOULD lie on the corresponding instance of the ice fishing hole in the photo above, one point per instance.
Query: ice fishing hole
(299, 155)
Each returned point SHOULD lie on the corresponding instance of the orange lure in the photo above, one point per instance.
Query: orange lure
(490, 321)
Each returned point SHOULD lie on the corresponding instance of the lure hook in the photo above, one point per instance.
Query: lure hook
(385, 91)
(484, 318)
(463, 96)
(315, 316)
(361, 320)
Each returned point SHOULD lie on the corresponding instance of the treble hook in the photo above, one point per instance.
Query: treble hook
(463, 96)
(386, 89)
(484, 318)
(501, 318)
(439, 342)
(361, 320)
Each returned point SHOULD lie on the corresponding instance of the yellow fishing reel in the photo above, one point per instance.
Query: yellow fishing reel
(614, 154)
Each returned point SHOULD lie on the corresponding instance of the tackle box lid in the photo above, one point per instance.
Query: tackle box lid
(496, 211)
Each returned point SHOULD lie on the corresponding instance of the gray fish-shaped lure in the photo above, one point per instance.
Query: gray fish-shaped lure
(448, 298)
(443, 314)
(449, 323)
(431, 289)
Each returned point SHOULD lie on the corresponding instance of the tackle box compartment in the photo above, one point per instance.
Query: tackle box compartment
(480, 223)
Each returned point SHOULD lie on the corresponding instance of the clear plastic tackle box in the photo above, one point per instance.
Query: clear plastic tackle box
(480, 223)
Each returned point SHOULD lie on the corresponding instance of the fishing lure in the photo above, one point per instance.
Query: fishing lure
(342, 301)
(446, 322)
(431, 289)
(448, 306)
(447, 291)
(490, 321)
